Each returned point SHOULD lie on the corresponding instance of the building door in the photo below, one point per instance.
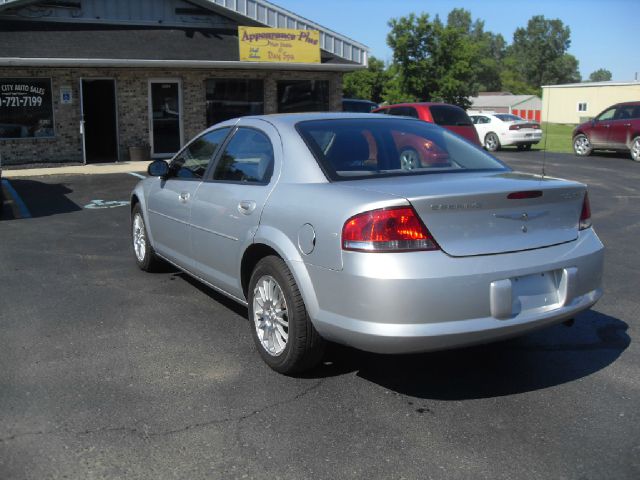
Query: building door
(165, 115)
(99, 124)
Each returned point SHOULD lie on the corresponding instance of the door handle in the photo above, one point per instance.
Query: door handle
(606, 126)
(183, 197)
(246, 206)
(627, 124)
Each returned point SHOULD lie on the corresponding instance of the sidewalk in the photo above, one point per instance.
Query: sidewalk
(91, 169)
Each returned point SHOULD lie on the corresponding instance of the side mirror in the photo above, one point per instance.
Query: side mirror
(158, 168)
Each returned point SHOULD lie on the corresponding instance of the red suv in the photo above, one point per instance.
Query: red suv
(448, 116)
(617, 128)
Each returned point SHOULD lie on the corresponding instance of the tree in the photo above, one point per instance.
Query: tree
(435, 61)
(367, 84)
(600, 75)
(539, 53)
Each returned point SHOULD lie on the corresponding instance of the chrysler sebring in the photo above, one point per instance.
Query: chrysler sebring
(316, 225)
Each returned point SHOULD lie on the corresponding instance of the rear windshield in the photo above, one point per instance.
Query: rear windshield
(507, 117)
(355, 106)
(387, 146)
(448, 115)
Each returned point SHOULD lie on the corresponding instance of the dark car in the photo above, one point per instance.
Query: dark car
(617, 128)
(448, 116)
(357, 105)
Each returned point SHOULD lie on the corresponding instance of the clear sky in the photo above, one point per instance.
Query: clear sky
(604, 33)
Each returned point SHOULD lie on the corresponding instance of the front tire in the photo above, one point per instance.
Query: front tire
(581, 145)
(491, 142)
(280, 326)
(635, 149)
(146, 258)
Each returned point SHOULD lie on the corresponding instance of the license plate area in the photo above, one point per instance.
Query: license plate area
(536, 291)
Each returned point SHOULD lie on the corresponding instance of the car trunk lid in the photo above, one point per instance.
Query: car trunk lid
(474, 214)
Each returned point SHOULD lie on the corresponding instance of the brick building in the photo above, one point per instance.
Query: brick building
(93, 80)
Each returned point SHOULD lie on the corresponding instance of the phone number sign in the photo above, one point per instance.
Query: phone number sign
(26, 108)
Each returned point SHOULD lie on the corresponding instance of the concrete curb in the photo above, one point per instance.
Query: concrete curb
(93, 169)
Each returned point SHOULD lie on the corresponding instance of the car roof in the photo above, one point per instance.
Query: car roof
(290, 119)
(419, 104)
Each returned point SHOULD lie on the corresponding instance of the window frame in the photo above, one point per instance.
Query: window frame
(216, 158)
(236, 79)
(586, 107)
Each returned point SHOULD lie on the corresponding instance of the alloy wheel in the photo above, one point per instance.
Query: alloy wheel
(409, 160)
(270, 315)
(139, 237)
(635, 150)
(581, 145)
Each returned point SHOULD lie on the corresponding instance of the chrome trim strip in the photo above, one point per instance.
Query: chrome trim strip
(214, 232)
(169, 217)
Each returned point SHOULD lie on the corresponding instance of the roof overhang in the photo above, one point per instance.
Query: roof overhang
(188, 64)
(267, 14)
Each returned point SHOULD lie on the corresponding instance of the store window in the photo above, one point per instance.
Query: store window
(303, 96)
(26, 108)
(229, 98)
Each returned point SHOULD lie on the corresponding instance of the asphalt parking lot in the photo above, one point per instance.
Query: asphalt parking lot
(110, 372)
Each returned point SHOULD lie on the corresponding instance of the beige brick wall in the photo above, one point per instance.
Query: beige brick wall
(132, 104)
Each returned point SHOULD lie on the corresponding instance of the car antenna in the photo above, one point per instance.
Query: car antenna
(546, 134)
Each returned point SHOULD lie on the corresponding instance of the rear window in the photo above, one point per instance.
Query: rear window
(364, 147)
(507, 117)
(448, 115)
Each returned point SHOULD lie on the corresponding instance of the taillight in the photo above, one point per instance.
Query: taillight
(585, 215)
(514, 127)
(536, 127)
(387, 230)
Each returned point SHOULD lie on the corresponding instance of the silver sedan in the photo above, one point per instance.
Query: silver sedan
(315, 223)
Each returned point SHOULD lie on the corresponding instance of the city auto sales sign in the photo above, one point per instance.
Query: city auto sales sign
(282, 45)
(19, 94)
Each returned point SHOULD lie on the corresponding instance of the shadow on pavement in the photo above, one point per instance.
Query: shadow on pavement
(542, 359)
(41, 199)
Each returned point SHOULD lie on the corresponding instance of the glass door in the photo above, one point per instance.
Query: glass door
(165, 112)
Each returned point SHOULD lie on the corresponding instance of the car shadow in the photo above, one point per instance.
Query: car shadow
(39, 199)
(230, 304)
(542, 359)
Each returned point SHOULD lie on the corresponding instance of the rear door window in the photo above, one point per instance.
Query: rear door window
(247, 158)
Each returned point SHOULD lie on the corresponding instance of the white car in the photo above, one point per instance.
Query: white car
(500, 129)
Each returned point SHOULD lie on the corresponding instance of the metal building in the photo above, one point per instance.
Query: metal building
(575, 103)
(528, 107)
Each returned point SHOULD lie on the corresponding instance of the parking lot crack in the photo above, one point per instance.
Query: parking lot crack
(145, 433)
(240, 418)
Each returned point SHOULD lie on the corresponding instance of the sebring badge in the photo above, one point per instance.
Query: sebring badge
(455, 206)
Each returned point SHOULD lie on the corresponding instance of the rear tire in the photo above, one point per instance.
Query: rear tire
(581, 145)
(635, 149)
(146, 258)
(491, 142)
(409, 159)
(280, 326)
(527, 147)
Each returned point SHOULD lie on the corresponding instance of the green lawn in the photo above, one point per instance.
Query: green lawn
(557, 137)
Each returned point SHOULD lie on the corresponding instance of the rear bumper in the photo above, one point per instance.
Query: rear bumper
(424, 301)
(520, 138)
